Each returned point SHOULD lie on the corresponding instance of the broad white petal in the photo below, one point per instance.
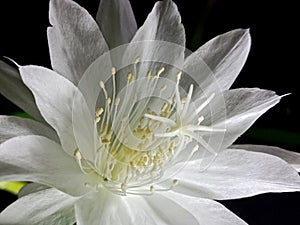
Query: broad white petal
(44, 207)
(54, 98)
(237, 174)
(13, 88)
(243, 107)
(293, 158)
(103, 208)
(12, 126)
(116, 21)
(206, 211)
(224, 55)
(75, 40)
(40, 160)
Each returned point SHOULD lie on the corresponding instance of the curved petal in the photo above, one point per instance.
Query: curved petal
(44, 207)
(243, 107)
(293, 158)
(205, 210)
(237, 174)
(31, 188)
(225, 55)
(54, 98)
(116, 21)
(38, 159)
(12, 126)
(12, 87)
(75, 40)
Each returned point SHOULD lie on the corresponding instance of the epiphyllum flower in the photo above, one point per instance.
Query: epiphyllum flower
(138, 135)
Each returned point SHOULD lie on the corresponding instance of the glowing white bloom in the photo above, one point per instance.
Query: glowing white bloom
(130, 129)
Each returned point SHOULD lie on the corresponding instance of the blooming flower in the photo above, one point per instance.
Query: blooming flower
(129, 129)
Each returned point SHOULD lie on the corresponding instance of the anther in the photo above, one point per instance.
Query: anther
(113, 71)
(160, 71)
(77, 154)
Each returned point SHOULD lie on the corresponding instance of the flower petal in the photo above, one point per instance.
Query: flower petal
(237, 174)
(12, 87)
(205, 210)
(54, 98)
(44, 207)
(101, 207)
(163, 24)
(12, 126)
(31, 188)
(243, 107)
(224, 55)
(43, 161)
(75, 40)
(293, 158)
(116, 21)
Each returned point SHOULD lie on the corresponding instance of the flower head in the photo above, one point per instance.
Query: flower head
(129, 128)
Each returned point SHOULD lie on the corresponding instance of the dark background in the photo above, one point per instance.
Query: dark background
(272, 64)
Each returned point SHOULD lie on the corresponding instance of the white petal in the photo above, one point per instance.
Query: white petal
(205, 210)
(163, 23)
(11, 126)
(54, 98)
(243, 107)
(116, 21)
(44, 207)
(293, 158)
(38, 159)
(102, 208)
(224, 56)
(75, 40)
(237, 174)
(31, 188)
(12, 87)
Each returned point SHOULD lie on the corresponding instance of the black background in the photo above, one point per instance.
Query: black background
(272, 64)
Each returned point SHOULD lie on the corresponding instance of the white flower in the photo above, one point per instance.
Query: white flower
(140, 134)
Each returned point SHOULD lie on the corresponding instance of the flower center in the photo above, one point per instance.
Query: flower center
(138, 143)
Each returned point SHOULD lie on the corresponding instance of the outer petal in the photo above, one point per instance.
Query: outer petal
(75, 40)
(243, 107)
(44, 207)
(12, 87)
(38, 159)
(225, 55)
(293, 158)
(237, 174)
(11, 126)
(205, 210)
(116, 21)
(163, 23)
(31, 188)
(54, 97)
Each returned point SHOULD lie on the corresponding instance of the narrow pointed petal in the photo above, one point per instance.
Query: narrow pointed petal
(75, 40)
(205, 210)
(38, 159)
(44, 207)
(116, 21)
(243, 107)
(54, 98)
(237, 174)
(13, 88)
(224, 56)
(163, 23)
(12, 126)
(293, 158)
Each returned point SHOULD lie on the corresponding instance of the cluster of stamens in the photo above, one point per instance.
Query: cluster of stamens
(137, 143)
